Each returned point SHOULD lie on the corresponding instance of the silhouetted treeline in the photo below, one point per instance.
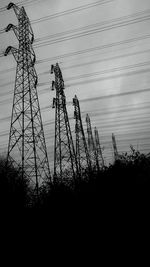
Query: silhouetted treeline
(122, 185)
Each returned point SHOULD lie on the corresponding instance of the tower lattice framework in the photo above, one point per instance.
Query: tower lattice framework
(91, 145)
(65, 163)
(98, 149)
(26, 147)
(116, 155)
(82, 154)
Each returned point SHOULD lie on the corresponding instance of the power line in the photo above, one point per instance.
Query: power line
(87, 75)
(104, 72)
(109, 77)
(84, 63)
(71, 11)
(104, 59)
(141, 64)
(90, 32)
(119, 109)
(78, 29)
(114, 95)
(97, 48)
(89, 50)
(121, 20)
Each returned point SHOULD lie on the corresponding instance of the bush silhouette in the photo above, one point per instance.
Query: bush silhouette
(14, 190)
(125, 183)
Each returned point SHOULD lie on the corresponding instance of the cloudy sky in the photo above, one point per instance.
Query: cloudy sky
(103, 49)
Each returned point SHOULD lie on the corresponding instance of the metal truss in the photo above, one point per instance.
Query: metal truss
(82, 154)
(65, 163)
(98, 149)
(27, 146)
(91, 145)
(116, 155)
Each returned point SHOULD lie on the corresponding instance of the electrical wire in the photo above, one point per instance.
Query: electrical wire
(71, 11)
(89, 50)
(126, 74)
(112, 22)
(87, 33)
(88, 75)
(82, 64)
(141, 64)
(102, 60)
(97, 48)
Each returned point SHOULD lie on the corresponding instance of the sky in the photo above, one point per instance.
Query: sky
(103, 50)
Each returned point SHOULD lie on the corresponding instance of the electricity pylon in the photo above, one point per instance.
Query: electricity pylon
(26, 147)
(116, 155)
(91, 145)
(98, 149)
(82, 154)
(65, 163)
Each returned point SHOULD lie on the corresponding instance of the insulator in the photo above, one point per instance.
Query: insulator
(8, 28)
(63, 100)
(74, 102)
(52, 69)
(75, 114)
(34, 59)
(7, 50)
(63, 85)
(54, 102)
(86, 118)
(36, 81)
(76, 129)
(32, 39)
(53, 86)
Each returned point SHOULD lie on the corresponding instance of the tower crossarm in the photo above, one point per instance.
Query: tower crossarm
(13, 50)
(15, 8)
(14, 28)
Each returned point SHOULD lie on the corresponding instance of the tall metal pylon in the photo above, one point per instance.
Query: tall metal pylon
(98, 148)
(116, 155)
(91, 145)
(82, 154)
(26, 147)
(65, 162)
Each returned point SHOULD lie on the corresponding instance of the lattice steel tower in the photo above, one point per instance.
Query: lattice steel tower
(91, 144)
(65, 163)
(82, 154)
(116, 155)
(98, 148)
(26, 147)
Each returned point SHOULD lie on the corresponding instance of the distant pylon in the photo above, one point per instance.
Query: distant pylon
(98, 149)
(65, 163)
(26, 147)
(116, 155)
(91, 145)
(82, 154)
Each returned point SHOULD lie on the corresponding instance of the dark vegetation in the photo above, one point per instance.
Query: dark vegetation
(122, 186)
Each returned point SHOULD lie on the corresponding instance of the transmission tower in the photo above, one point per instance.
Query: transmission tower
(91, 144)
(65, 163)
(116, 155)
(26, 147)
(82, 154)
(98, 148)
